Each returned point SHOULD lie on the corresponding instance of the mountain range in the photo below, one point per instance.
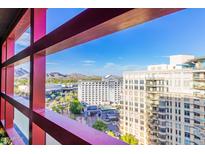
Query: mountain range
(72, 76)
(22, 73)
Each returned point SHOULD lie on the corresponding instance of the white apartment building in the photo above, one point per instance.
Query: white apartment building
(164, 104)
(101, 92)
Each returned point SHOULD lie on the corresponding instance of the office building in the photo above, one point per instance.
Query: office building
(165, 103)
(101, 92)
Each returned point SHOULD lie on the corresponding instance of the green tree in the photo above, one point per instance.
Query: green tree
(48, 100)
(75, 106)
(55, 107)
(2, 132)
(68, 98)
(111, 133)
(62, 99)
(4, 139)
(100, 125)
(130, 139)
(53, 95)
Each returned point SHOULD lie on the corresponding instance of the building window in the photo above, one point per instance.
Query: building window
(196, 114)
(196, 137)
(130, 81)
(141, 81)
(136, 120)
(196, 106)
(136, 81)
(186, 113)
(187, 135)
(141, 128)
(186, 106)
(141, 87)
(187, 120)
(196, 121)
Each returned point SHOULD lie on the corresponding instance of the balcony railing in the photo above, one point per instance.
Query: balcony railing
(88, 25)
(199, 95)
(67, 131)
(199, 87)
(199, 79)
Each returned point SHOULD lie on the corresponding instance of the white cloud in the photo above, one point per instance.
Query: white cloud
(88, 62)
(24, 40)
(110, 65)
(25, 66)
(51, 63)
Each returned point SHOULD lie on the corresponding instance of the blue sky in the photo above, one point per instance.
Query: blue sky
(131, 49)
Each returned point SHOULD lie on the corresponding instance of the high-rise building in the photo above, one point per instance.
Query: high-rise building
(101, 92)
(165, 104)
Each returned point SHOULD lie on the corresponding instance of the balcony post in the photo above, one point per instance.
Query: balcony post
(9, 109)
(37, 75)
(3, 83)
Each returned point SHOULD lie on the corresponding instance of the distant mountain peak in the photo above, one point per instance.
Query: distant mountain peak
(55, 74)
(20, 72)
(72, 76)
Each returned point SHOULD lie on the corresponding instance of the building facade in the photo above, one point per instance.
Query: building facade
(165, 104)
(101, 92)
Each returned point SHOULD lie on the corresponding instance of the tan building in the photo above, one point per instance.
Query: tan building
(155, 100)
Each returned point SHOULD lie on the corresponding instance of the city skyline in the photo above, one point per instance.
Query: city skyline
(111, 55)
(159, 98)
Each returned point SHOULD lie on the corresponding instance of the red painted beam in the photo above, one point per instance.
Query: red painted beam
(3, 83)
(9, 109)
(11, 27)
(3, 79)
(19, 103)
(3, 54)
(89, 25)
(22, 25)
(2, 109)
(37, 74)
